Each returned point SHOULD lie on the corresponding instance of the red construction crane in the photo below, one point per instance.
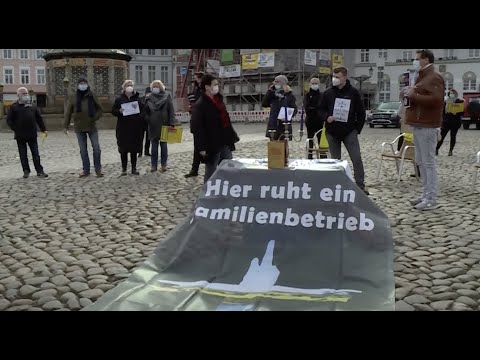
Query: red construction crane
(197, 62)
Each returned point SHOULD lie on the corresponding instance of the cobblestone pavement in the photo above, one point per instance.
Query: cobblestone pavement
(66, 241)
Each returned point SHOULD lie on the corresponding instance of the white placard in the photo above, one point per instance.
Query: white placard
(281, 114)
(341, 109)
(130, 108)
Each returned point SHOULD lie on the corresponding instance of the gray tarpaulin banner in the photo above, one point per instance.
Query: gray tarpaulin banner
(305, 238)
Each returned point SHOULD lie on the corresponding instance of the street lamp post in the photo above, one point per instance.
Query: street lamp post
(361, 79)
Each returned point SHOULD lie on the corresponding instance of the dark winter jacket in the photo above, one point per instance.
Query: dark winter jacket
(275, 100)
(356, 115)
(311, 104)
(83, 121)
(130, 128)
(23, 120)
(159, 111)
(209, 131)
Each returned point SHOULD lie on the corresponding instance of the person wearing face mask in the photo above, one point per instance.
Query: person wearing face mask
(451, 121)
(23, 119)
(425, 116)
(212, 128)
(193, 98)
(86, 111)
(279, 95)
(159, 112)
(345, 131)
(130, 128)
(311, 104)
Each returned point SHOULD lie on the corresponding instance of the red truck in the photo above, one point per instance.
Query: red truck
(468, 118)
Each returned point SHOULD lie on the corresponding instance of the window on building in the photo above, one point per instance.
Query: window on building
(164, 52)
(407, 55)
(39, 54)
(25, 76)
(151, 52)
(474, 53)
(384, 93)
(41, 76)
(7, 53)
(23, 54)
(152, 73)
(448, 78)
(380, 73)
(469, 81)
(139, 74)
(449, 53)
(164, 74)
(383, 53)
(364, 55)
(8, 75)
(138, 51)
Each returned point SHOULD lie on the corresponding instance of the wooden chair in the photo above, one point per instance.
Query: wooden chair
(320, 153)
(477, 169)
(407, 152)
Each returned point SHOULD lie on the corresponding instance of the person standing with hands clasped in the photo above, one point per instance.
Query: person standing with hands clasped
(311, 104)
(23, 119)
(130, 125)
(343, 110)
(86, 112)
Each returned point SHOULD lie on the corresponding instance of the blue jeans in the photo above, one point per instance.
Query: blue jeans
(163, 155)
(82, 143)
(213, 161)
(22, 149)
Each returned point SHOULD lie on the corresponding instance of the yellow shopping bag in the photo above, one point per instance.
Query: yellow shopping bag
(323, 139)
(171, 135)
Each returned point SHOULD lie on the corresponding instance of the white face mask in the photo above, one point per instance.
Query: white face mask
(416, 65)
(25, 99)
(215, 89)
(156, 91)
(129, 89)
(314, 87)
(336, 81)
(278, 87)
(82, 87)
(452, 96)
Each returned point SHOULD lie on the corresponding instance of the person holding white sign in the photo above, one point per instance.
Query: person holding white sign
(343, 110)
(130, 125)
(277, 98)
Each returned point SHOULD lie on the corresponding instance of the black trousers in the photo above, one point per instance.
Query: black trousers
(23, 152)
(133, 159)
(453, 135)
(312, 128)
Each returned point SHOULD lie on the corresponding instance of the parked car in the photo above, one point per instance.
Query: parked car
(386, 114)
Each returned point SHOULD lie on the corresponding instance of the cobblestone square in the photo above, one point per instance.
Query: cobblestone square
(66, 241)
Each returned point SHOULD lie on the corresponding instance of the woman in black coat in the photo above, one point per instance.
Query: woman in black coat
(279, 95)
(212, 128)
(129, 128)
(451, 122)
